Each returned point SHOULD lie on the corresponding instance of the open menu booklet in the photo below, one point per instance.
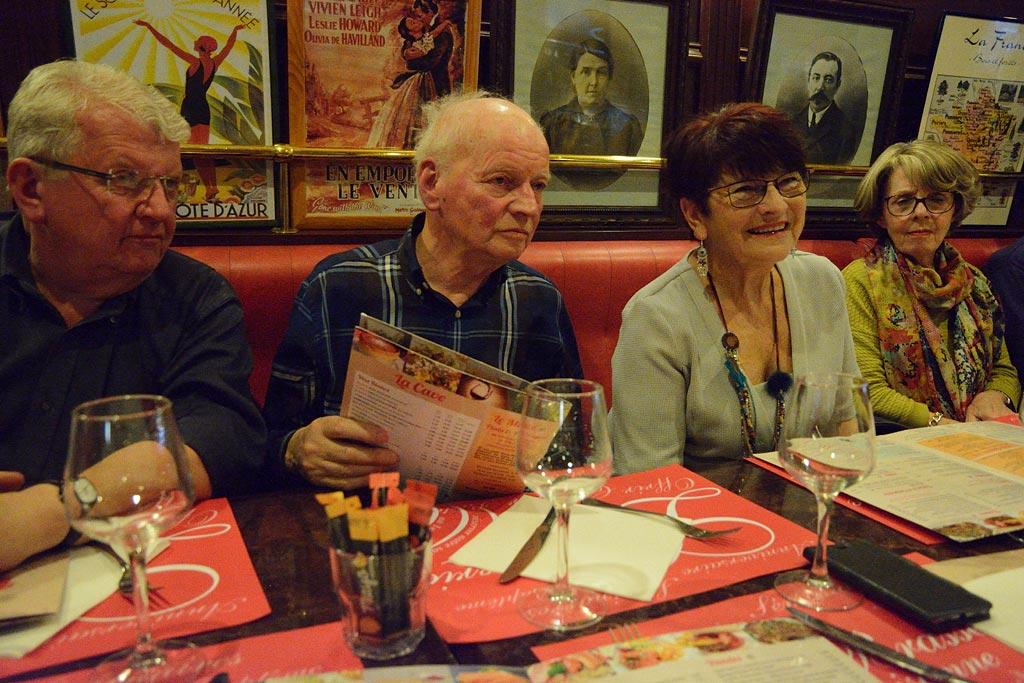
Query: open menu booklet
(452, 419)
(964, 481)
(769, 650)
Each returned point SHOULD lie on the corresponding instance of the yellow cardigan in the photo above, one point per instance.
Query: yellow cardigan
(886, 401)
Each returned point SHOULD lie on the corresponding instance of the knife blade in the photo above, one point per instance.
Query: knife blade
(529, 549)
(884, 653)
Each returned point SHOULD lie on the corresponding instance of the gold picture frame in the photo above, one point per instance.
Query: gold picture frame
(354, 70)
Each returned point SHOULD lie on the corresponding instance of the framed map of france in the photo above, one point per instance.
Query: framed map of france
(975, 103)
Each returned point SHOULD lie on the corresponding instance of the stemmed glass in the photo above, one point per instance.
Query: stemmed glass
(563, 453)
(126, 481)
(828, 445)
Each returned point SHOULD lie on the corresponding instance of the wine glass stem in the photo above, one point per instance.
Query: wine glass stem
(819, 567)
(562, 509)
(144, 647)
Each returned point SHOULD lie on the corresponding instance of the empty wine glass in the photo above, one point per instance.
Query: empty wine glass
(563, 453)
(126, 481)
(828, 445)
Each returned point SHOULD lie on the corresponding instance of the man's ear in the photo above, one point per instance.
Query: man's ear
(695, 217)
(426, 182)
(23, 179)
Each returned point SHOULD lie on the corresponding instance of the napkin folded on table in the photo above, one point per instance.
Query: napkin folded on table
(92, 576)
(1005, 590)
(609, 551)
(33, 590)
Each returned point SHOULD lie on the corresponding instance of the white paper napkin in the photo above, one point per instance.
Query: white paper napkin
(609, 551)
(92, 577)
(1005, 590)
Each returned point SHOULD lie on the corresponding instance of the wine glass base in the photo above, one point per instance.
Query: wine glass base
(566, 609)
(172, 661)
(819, 594)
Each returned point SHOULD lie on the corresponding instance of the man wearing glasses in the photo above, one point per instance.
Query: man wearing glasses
(93, 304)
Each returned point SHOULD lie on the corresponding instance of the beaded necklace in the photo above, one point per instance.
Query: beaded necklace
(778, 382)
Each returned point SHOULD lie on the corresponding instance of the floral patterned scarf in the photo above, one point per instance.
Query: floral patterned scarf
(945, 375)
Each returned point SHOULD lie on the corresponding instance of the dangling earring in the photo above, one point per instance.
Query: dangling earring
(702, 260)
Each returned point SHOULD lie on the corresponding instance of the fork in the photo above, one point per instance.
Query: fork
(687, 529)
(624, 632)
(126, 584)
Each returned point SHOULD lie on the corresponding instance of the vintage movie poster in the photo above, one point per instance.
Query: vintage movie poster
(359, 73)
(212, 59)
(975, 103)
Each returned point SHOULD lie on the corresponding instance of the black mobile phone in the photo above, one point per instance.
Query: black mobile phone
(922, 598)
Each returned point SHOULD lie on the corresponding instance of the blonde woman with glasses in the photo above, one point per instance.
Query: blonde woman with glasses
(927, 328)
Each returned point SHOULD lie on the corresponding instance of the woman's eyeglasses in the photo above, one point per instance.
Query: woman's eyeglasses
(906, 204)
(127, 183)
(746, 193)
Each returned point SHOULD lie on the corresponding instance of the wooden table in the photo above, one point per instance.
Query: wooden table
(286, 538)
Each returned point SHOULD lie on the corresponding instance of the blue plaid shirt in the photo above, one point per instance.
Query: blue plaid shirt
(517, 321)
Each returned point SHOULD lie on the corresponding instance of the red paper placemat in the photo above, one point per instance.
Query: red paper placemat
(970, 652)
(205, 573)
(468, 605)
(907, 528)
(299, 652)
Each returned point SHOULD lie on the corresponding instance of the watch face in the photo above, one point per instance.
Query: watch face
(85, 492)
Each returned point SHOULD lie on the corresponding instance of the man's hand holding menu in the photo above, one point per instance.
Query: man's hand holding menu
(452, 419)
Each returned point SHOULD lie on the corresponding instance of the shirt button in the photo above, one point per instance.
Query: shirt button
(458, 314)
(45, 406)
(419, 292)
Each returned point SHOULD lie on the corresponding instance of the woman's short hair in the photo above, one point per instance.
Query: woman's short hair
(591, 46)
(926, 163)
(207, 43)
(741, 140)
(43, 118)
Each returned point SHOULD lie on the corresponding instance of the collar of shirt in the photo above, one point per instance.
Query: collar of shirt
(814, 117)
(413, 272)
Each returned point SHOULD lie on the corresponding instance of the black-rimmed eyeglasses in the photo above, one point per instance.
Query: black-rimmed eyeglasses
(127, 182)
(906, 204)
(746, 193)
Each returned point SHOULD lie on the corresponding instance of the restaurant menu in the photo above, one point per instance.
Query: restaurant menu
(964, 481)
(768, 650)
(967, 651)
(452, 419)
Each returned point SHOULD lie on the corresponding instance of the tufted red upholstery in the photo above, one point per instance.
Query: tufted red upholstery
(596, 278)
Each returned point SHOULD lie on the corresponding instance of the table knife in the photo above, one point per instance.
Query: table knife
(529, 549)
(884, 653)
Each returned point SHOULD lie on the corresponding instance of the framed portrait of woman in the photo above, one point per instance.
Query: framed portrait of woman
(604, 81)
(358, 75)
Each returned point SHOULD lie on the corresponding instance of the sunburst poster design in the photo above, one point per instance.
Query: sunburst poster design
(212, 59)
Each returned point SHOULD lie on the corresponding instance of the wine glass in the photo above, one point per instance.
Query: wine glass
(126, 481)
(563, 453)
(828, 445)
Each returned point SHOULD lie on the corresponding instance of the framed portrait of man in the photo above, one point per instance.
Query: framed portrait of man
(835, 68)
